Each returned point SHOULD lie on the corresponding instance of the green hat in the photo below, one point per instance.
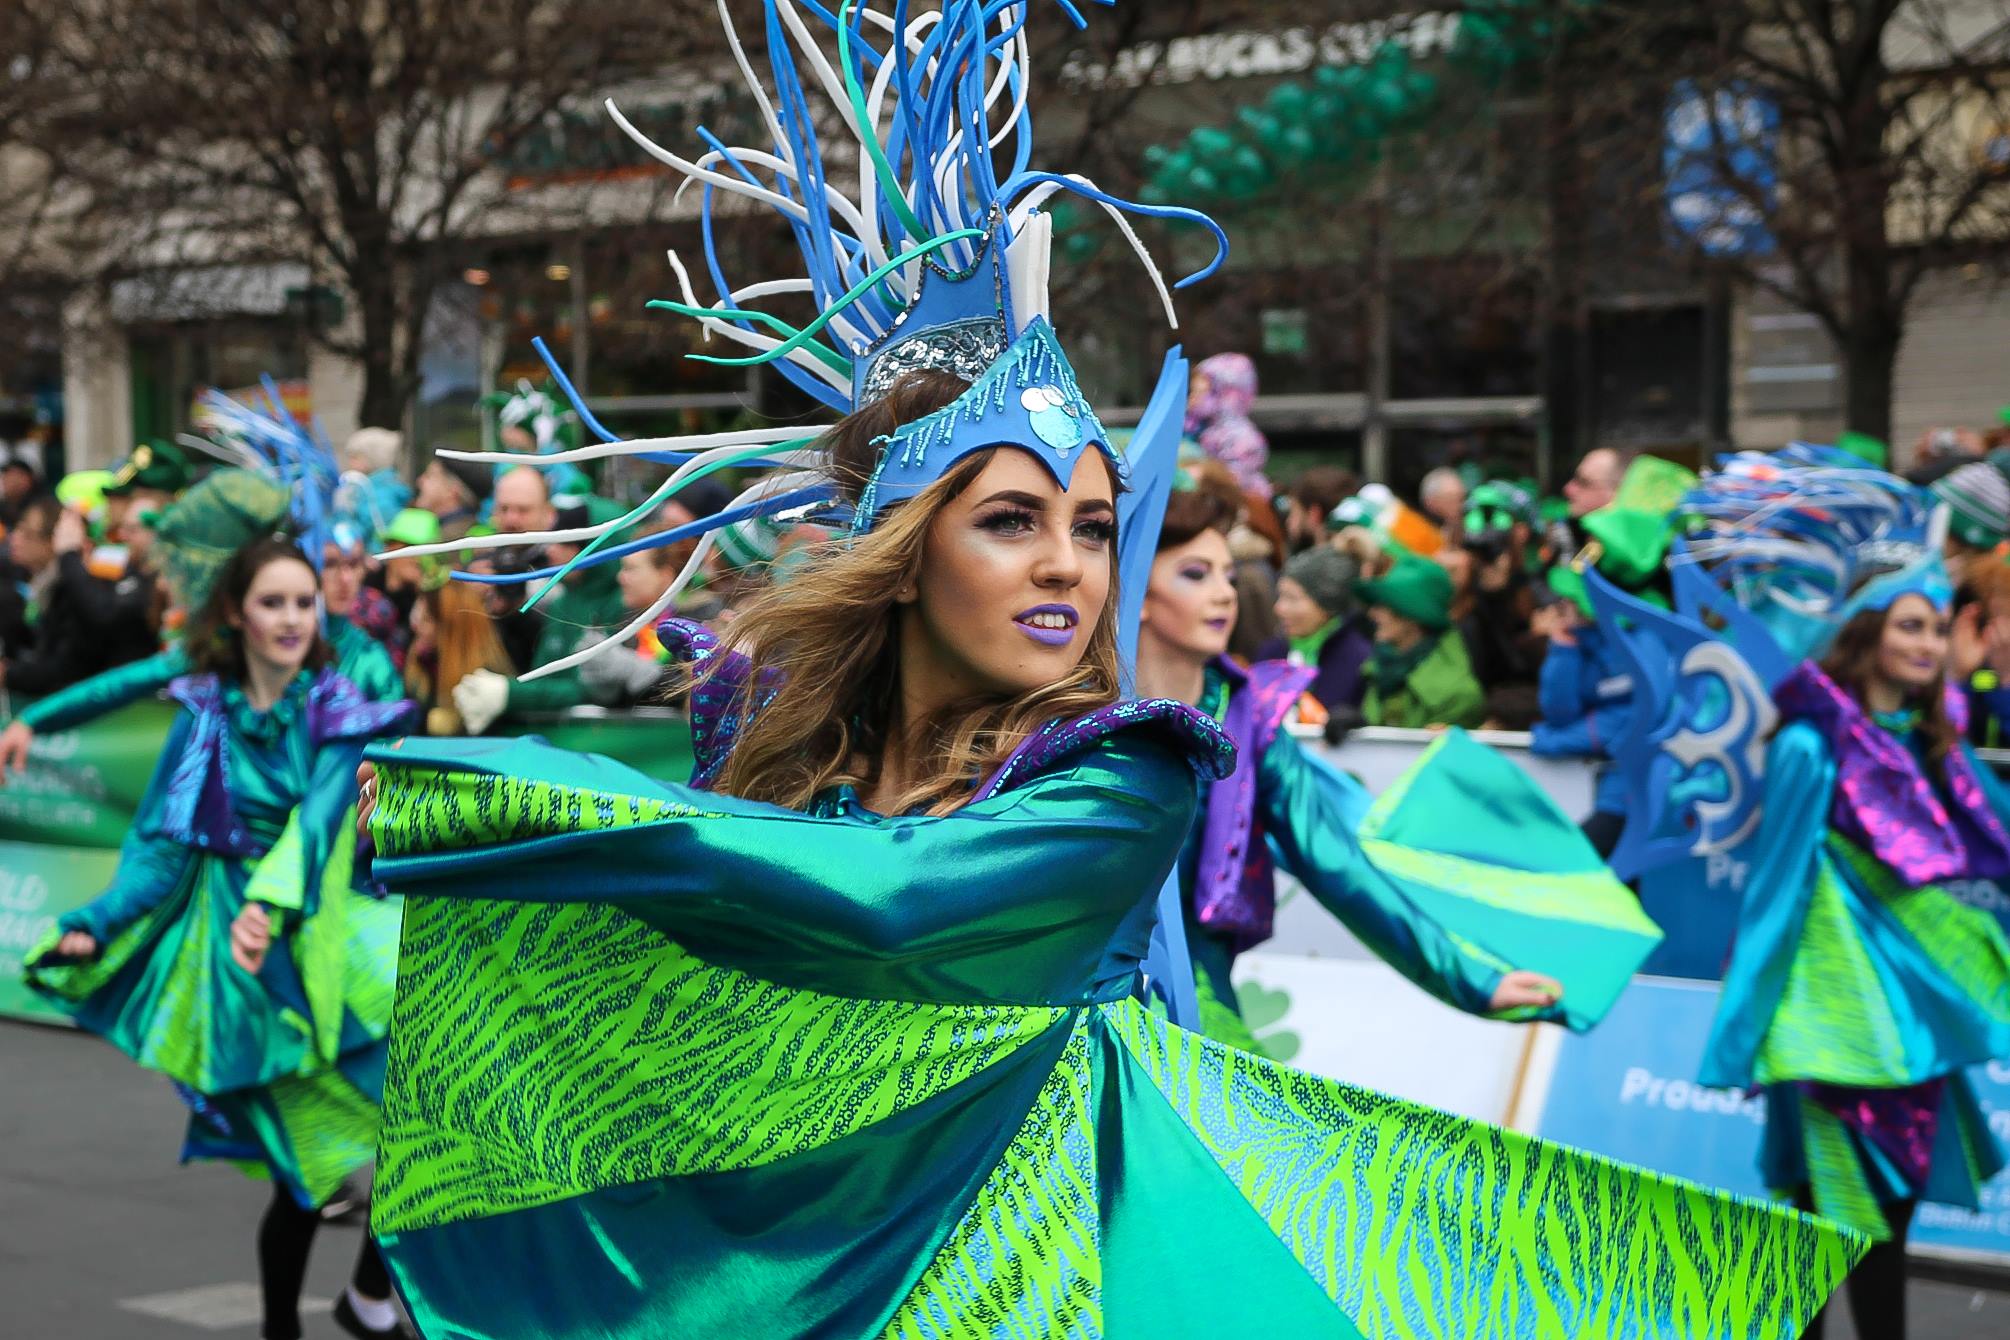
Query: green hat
(196, 534)
(1498, 504)
(1978, 504)
(154, 464)
(1866, 447)
(1415, 588)
(1652, 485)
(1627, 546)
(413, 525)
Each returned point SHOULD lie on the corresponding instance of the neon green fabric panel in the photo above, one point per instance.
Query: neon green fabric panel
(1423, 1224)
(1025, 1260)
(1833, 1021)
(539, 1051)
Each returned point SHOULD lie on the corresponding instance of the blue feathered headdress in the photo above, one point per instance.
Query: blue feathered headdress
(899, 154)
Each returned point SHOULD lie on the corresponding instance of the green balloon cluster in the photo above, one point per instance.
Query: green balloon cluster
(1334, 121)
(1341, 118)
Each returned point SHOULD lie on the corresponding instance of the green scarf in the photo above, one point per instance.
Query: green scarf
(1306, 648)
(1389, 668)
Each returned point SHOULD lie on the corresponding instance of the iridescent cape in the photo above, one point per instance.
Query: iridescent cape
(667, 1060)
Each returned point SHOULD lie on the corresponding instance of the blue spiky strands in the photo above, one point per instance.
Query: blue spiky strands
(298, 458)
(1782, 549)
(927, 110)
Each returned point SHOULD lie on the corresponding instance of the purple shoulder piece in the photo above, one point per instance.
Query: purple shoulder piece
(1885, 802)
(198, 809)
(337, 710)
(1233, 893)
(1206, 746)
(718, 677)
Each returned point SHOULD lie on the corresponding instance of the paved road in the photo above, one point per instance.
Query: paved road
(98, 1222)
(97, 1217)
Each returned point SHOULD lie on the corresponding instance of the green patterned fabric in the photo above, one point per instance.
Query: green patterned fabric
(639, 1066)
(1834, 1018)
(1373, 1195)
(690, 1144)
(1024, 1260)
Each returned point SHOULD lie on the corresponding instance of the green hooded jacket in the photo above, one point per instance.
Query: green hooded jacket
(1441, 691)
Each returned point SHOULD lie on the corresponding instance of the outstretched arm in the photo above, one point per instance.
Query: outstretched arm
(519, 820)
(1307, 823)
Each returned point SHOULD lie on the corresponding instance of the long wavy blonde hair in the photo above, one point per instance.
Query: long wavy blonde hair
(828, 644)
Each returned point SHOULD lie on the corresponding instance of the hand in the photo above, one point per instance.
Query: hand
(480, 698)
(1965, 643)
(69, 535)
(1995, 650)
(76, 947)
(366, 798)
(250, 937)
(14, 742)
(1523, 989)
(1340, 721)
(1557, 622)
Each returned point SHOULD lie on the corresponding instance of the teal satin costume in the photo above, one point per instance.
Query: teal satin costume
(1842, 976)
(283, 1068)
(358, 658)
(672, 1063)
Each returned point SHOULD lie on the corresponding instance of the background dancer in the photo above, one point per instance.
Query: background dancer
(230, 952)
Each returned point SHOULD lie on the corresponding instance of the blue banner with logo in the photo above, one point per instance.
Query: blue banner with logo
(1627, 1090)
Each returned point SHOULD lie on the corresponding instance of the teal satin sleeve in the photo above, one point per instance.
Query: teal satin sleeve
(1309, 827)
(1779, 880)
(151, 864)
(1041, 894)
(89, 699)
(362, 660)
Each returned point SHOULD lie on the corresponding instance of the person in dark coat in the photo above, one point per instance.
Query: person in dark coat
(1322, 625)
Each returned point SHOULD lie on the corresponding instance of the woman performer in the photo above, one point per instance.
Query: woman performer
(841, 1039)
(1189, 615)
(230, 952)
(194, 535)
(1859, 989)
(1462, 872)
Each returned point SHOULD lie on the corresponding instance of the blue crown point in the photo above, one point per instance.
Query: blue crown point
(957, 322)
(1027, 399)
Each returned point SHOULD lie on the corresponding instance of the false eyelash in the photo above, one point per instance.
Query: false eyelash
(995, 520)
(1104, 531)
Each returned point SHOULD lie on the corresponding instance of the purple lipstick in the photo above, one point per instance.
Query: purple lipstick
(1049, 625)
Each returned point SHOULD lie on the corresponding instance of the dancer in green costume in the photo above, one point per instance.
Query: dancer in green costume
(842, 1038)
(1473, 876)
(231, 952)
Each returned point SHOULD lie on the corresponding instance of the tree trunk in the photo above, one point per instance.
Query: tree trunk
(1870, 363)
(389, 359)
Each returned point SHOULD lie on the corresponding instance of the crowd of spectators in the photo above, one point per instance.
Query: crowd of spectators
(1468, 608)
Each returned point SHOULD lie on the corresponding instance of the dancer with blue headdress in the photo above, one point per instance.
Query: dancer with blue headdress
(843, 1038)
(1799, 725)
(233, 952)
